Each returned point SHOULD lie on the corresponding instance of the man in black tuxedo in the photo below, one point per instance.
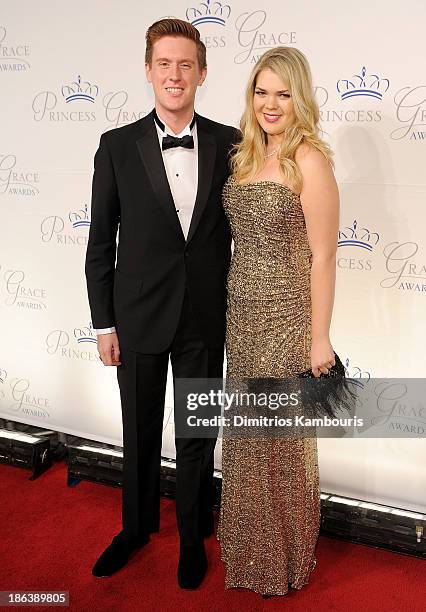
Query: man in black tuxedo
(162, 291)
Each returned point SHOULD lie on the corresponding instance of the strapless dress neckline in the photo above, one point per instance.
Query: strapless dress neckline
(265, 182)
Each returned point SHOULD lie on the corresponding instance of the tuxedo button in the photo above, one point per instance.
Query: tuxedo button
(186, 254)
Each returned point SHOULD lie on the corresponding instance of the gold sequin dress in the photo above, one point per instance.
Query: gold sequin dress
(270, 509)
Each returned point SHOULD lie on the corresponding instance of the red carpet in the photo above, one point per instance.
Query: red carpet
(52, 534)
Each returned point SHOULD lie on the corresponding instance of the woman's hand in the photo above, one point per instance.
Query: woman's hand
(322, 357)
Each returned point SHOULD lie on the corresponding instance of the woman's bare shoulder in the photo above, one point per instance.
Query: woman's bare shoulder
(307, 152)
(310, 159)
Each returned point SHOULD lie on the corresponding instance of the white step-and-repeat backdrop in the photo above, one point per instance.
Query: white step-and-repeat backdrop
(70, 71)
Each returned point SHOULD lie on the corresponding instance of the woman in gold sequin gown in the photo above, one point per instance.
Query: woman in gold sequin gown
(282, 204)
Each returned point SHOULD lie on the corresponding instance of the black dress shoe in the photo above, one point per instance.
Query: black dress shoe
(117, 554)
(192, 566)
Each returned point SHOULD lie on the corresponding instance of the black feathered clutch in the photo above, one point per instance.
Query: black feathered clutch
(328, 393)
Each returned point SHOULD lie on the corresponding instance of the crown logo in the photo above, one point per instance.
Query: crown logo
(355, 373)
(362, 238)
(208, 12)
(80, 90)
(361, 85)
(85, 334)
(80, 217)
(3, 375)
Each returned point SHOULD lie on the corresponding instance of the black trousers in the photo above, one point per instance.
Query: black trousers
(142, 381)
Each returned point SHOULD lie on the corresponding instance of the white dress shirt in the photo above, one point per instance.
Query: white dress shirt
(181, 167)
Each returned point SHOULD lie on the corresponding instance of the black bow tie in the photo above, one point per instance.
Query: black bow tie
(169, 142)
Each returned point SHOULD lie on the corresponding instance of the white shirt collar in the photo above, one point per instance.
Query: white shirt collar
(167, 130)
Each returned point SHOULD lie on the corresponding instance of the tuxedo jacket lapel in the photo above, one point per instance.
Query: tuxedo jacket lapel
(206, 161)
(150, 153)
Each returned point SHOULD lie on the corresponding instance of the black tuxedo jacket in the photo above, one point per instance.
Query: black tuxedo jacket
(138, 285)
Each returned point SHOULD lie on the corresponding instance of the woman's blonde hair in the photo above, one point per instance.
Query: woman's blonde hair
(292, 67)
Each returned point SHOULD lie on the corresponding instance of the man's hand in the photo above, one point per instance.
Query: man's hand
(109, 349)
